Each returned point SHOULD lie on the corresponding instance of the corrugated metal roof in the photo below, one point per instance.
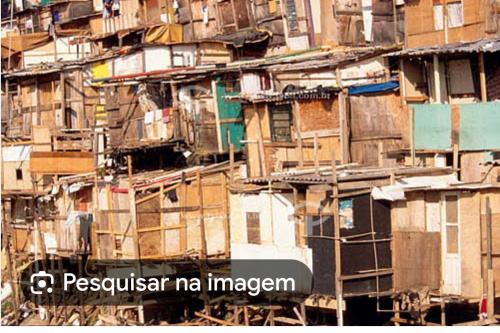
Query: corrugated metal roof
(345, 175)
(483, 45)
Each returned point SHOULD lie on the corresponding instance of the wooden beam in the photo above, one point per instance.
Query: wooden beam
(162, 218)
(183, 221)
(262, 155)
(402, 81)
(203, 254)
(482, 78)
(344, 128)
(217, 116)
(201, 216)
(455, 158)
(412, 134)
(63, 99)
(296, 118)
(231, 164)
(437, 80)
(235, 16)
(111, 217)
(336, 226)
(490, 294)
(226, 208)
(215, 320)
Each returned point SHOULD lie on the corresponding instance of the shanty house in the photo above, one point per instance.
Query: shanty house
(452, 226)
(296, 114)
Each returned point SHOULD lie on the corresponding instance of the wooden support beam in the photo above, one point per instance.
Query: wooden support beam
(129, 169)
(296, 119)
(201, 215)
(162, 220)
(135, 237)
(203, 253)
(235, 15)
(455, 158)
(231, 164)
(402, 81)
(344, 128)
(490, 294)
(215, 320)
(225, 205)
(111, 217)
(437, 80)
(37, 98)
(336, 226)
(183, 221)
(299, 316)
(262, 154)
(245, 315)
(412, 135)
(482, 78)
(63, 99)
(11, 273)
(175, 109)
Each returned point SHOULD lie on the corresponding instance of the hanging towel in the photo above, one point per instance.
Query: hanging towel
(158, 115)
(149, 117)
(166, 115)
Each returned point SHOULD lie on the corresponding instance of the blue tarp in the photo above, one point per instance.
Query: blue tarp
(374, 88)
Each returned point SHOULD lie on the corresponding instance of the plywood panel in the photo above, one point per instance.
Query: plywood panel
(61, 162)
(470, 240)
(416, 260)
(409, 215)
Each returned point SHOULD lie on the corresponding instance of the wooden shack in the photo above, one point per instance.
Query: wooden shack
(444, 239)
(161, 214)
(349, 258)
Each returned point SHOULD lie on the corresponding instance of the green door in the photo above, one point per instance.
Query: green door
(230, 117)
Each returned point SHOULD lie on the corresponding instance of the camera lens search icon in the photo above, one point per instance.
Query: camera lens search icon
(41, 281)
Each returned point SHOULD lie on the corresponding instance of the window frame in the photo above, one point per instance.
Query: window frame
(271, 112)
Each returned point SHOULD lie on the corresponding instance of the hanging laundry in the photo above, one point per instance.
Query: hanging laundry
(55, 189)
(75, 187)
(158, 115)
(166, 115)
(149, 117)
(86, 220)
(72, 218)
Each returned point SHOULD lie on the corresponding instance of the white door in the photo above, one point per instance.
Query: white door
(450, 243)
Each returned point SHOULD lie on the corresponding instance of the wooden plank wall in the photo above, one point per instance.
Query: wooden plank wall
(494, 198)
(317, 117)
(416, 260)
(470, 243)
(419, 24)
(61, 162)
(168, 220)
(377, 119)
